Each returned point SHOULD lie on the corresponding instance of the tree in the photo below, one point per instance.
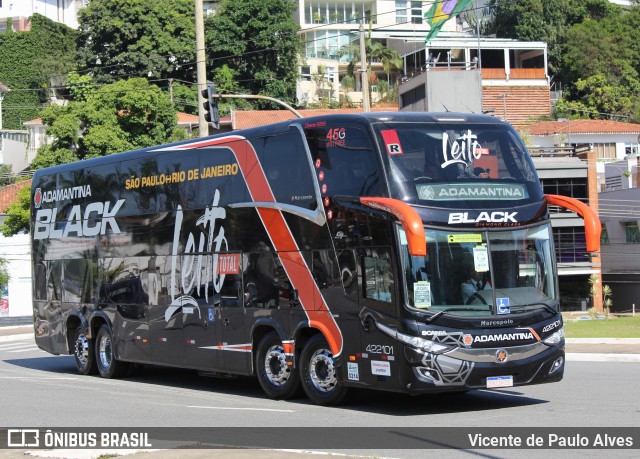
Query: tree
(257, 40)
(122, 116)
(145, 38)
(373, 50)
(543, 20)
(27, 66)
(18, 212)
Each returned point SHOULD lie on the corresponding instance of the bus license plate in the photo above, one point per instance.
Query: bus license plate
(499, 381)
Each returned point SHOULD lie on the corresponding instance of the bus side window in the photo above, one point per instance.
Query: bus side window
(54, 281)
(378, 276)
(287, 168)
(78, 286)
(261, 284)
(40, 287)
(345, 157)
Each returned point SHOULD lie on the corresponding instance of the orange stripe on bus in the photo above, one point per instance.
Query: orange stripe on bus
(313, 303)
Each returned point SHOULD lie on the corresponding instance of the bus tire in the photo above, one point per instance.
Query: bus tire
(277, 379)
(108, 366)
(318, 373)
(83, 352)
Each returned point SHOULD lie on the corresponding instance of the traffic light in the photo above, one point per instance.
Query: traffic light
(211, 113)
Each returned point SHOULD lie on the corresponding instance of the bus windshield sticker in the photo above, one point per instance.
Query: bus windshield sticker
(481, 259)
(392, 142)
(472, 192)
(462, 150)
(353, 372)
(503, 305)
(464, 237)
(422, 294)
(336, 137)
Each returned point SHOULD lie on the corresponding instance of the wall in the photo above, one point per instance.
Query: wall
(445, 91)
(17, 251)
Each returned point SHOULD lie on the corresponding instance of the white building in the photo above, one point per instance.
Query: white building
(63, 11)
(616, 144)
(16, 301)
(327, 27)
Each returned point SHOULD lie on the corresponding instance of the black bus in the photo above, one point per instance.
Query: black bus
(408, 252)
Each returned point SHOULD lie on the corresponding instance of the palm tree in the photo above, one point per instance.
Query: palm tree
(374, 50)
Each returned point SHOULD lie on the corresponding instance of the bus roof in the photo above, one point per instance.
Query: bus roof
(270, 129)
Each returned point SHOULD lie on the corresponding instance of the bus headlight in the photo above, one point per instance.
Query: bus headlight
(554, 339)
(422, 344)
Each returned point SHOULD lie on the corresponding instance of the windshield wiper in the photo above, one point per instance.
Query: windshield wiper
(546, 306)
(439, 313)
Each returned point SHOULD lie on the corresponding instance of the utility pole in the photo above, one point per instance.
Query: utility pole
(364, 77)
(201, 67)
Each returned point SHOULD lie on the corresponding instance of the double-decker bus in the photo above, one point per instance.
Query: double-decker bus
(407, 252)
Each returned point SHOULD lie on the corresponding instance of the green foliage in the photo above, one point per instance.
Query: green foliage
(146, 38)
(29, 63)
(225, 79)
(547, 21)
(257, 40)
(185, 98)
(4, 272)
(594, 50)
(6, 175)
(122, 116)
(616, 327)
(17, 220)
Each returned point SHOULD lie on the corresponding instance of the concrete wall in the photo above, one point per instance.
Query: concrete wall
(446, 91)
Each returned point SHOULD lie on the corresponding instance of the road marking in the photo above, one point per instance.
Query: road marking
(29, 349)
(15, 346)
(8, 338)
(240, 409)
(45, 378)
(592, 357)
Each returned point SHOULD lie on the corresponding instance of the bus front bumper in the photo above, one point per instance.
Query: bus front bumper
(468, 369)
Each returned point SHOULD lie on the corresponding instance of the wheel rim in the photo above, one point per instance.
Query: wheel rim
(82, 349)
(275, 365)
(322, 370)
(105, 352)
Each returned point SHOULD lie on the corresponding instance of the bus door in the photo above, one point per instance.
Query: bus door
(229, 334)
(379, 299)
(166, 317)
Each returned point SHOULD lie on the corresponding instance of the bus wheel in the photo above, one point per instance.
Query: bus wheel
(319, 375)
(108, 366)
(277, 379)
(83, 352)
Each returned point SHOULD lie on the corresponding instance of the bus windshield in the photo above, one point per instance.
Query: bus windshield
(455, 162)
(482, 273)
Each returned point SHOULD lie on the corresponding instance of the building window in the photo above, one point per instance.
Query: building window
(305, 72)
(632, 232)
(631, 149)
(604, 150)
(401, 11)
(604, 235)
(416, 12)
(570, 244)
(576, 188)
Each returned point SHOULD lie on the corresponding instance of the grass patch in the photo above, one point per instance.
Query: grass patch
(617, 327)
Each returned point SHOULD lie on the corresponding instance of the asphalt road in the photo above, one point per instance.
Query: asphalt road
(41, 390)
